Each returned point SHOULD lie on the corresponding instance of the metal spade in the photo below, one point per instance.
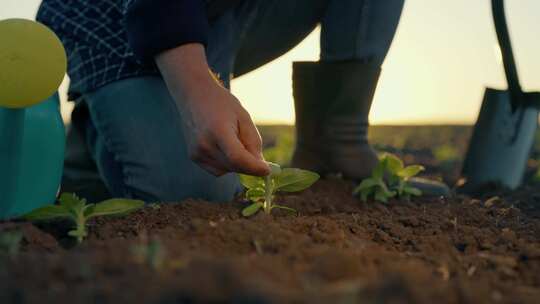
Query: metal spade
(505, 130)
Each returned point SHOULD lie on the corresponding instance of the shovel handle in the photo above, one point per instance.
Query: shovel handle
(510, 69)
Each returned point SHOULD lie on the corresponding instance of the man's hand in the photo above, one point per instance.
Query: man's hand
(220, 134)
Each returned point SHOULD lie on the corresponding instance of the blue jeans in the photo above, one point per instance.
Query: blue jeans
(132, 132)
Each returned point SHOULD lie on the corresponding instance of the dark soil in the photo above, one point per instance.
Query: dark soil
(337, 250)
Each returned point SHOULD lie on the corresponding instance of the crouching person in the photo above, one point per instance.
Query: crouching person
(153, 122)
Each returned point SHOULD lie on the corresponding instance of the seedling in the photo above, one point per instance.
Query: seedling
(390, 178)
(149, 251)
(77, 210)
(261, 190)
(10, 242)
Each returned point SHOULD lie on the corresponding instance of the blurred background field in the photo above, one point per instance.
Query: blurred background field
(443, 56)
(440, 149)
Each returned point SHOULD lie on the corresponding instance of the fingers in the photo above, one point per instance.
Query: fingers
(203, 153)
(231, 143)
(239, 159)
(249, 136)
(229, 154)
(213, 167)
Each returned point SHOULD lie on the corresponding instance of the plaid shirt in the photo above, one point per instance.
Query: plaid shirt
(95, 34)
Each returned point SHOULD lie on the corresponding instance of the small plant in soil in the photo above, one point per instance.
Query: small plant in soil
(79, 212)
(261, 190)
(390, 178)
(10, 242)
(149, 251)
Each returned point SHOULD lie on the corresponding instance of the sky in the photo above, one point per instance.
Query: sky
(443, 56)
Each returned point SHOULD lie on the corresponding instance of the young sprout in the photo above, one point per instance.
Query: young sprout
(75, 209)
(10, 242)
(261, 190)
(389, 179)
(149, 251)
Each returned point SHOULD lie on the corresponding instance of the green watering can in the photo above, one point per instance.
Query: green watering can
(32, 137)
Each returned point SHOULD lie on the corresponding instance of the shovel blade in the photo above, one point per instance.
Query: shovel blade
(501, 143)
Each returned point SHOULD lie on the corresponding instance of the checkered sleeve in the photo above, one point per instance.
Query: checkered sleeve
(154, 26)
(126, 4)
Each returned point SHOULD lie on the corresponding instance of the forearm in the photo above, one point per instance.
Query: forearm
(220, 134)
(185, 70)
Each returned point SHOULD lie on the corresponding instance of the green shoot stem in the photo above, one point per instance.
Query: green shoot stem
(81, 226)
(267, 206)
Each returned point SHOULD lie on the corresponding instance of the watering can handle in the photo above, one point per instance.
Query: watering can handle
(510, 69)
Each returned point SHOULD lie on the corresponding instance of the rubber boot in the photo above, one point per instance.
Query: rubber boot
(332, 104)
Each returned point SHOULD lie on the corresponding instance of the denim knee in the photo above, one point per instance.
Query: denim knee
(140, 149)
(179, 185)
(155, 175)
(359, 29)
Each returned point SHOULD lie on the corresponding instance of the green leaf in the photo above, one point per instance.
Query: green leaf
(275, 169)
(410, 171)
(365, 184)
(396, 185)
(293, 180)
(291, 210)
(71, 201)
(115, 206)
(87, 209)
(387, 192)
(251, 182)
(412, 190)
(252, 209)
(393, 181)
(381, 196)
(255, 194)
(46, 213)
(393, 163)
(366, 193)
(380, 168)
